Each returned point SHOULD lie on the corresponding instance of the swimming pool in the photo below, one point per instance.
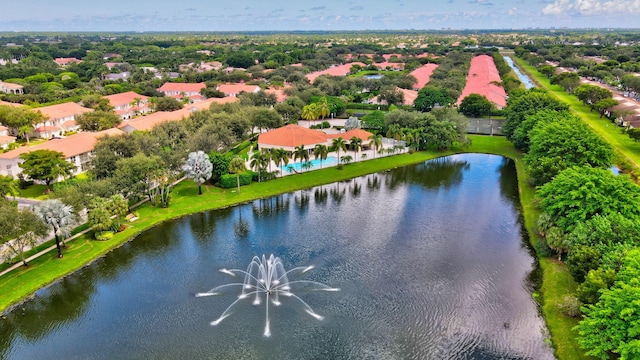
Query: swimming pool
(297, 166)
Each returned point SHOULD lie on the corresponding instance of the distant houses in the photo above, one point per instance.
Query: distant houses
(484, 79)
(59, 119)
(129, 104)
(62, 62)
(182, 90)
(236, 89)
(9, 88)
(291, 136)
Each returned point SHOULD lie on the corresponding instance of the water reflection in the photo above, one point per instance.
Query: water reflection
(423, 274)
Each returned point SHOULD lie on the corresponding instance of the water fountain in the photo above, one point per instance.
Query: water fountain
(267, 277)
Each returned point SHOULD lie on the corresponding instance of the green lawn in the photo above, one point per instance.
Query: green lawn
(628, 149)
(34, 191)
(20, 283)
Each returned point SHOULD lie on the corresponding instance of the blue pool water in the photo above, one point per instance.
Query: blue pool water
(328, 162)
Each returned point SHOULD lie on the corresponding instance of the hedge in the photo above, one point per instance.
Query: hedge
(228, 181)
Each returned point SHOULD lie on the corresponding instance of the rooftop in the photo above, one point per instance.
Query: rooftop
(63, 110)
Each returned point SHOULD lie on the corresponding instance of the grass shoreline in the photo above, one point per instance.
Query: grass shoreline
(23, 283)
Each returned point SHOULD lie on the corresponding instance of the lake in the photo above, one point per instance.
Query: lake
(432, 262)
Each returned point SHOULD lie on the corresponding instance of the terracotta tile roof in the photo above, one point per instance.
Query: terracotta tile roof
(49, 129)
(65, 61)
(340, 70)
(279, 93)
(234, 89)
(5, 103)
(392, 65)
(6, 139)
(125, 98)
(423, 74)
(146, 123)
(64, 110)
(12, 86)
(69, 124)
(482, 74)
(292, 135)
(182, 87)
(73, 145)
(359, 133)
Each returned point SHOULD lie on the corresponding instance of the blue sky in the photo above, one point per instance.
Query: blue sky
(252, 15)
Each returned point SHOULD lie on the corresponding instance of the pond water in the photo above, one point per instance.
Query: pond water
(374, 76)
(430, 259)
(528, 84)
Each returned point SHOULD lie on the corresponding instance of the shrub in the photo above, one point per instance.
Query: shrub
(228, 181)
(103, 235)
(570, 306)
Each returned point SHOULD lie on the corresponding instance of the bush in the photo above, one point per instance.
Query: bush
(228, 181)
(103, 235)
(570, 306)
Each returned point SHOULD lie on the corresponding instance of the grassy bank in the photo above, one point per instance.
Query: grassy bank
(20, 283)
(626, 148)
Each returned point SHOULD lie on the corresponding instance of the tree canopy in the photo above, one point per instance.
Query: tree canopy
(46, 166)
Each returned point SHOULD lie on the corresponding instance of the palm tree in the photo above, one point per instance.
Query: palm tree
(307, 165)
(278, 155)
(376, 143)
(323, 108)
(55, 213)
(236, 166)
(356, 142)
(321, 151)
(8, 186)
(24, 131)
(258, 161)
(339, 144)
(300, 153)
(310, 112)
(346, 159)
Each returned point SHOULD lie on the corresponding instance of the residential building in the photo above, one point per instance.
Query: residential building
(129, 104)
(59, 119)
(5, 138)
(76, 148)
(423, 75)
(236, 89)
(66, 61)
(182, 90)
(9, 88)
(482, 79)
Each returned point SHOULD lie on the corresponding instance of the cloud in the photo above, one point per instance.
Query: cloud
(319, 8)
(357, 8)
(592, 7)
(190, 9)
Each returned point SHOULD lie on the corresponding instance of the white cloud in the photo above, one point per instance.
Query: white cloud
(592, 7)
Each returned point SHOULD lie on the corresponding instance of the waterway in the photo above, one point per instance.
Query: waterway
(431, 259)
(528, 84)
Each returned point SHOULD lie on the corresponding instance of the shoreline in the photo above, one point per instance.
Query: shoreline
(215, 198)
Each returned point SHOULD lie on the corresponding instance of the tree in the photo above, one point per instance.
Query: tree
(547, 70)
(521, 136)
(391, 95)
(375, 142)
(322, 108)
(321, 152)
(46, 166)
(527, 103)
(604, 105)
(280, 156)
(611, 325)
(99, 216)
(356, 143)
(373, 120)
(8, 186)
(346, 159)
(57, 215)
(429, 97)
(568, 80)
(591, 94)
(338, 144)
(578, 194)
(22, 228)
(237, 166)
(476, 105)
(300, 153)
(266, 119)
(138, 175)
(198, 168)
(98, 120)
(310, 112)
(220, 165)
(167, 104)
(259, 161)
(558, 145)
(118, 207)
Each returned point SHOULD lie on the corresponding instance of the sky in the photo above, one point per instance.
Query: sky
(332, 15)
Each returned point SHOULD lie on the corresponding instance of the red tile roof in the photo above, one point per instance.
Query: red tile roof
(182, 87)
(125, 98)
(279, 93)
(64, 110)
(480, 80)
(340, 70)
(359, 133)
(234, 89)
(291, 136)
(80, 143)
(423, 74)
(65, 61)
